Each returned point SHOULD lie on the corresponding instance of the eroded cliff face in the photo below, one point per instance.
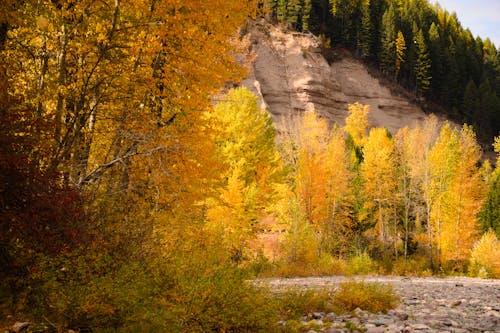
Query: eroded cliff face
(291, 75)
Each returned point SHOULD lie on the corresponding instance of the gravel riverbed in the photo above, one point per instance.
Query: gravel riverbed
(434, 305)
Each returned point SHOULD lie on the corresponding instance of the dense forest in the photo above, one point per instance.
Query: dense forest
(418, 44)
(135, 186)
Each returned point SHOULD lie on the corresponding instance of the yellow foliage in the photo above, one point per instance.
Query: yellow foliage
(458, 193)
(379, 174)
(485, 256)
(357, 123)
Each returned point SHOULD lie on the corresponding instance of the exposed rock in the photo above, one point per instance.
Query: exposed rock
(290, 75)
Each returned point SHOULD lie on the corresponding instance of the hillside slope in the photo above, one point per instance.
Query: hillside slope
(291, 75)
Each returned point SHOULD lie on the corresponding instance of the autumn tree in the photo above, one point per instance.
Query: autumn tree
(357, 122)
(462, 202)
(124, 87)
(245, 144)
(310, 172)
(319, 161)
(379, 174)
(419, 144)
(400, 52)
(407, 185)
(443, 166)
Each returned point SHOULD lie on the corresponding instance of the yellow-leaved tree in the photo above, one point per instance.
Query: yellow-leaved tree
(462, 202)
(244, 136)
(356, 124)
(443, 158)
(379, 175)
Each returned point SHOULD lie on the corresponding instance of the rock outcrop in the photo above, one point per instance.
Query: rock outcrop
(291, 75)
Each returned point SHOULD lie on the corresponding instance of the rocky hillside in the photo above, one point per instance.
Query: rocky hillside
(291, 75)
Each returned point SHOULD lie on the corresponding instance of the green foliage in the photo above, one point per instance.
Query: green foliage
(388, 41)
(414, 266)
(325, 265)
(423, 65)
(295, 303)
(373, 297)
(300, 244)
(364, 38)
(361, 263)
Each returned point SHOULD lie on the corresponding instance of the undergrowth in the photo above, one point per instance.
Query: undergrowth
(373, 297)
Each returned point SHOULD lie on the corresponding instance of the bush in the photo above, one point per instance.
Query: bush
(292, 304)
(361, 263)
(415, 266)
(184, 293)
(319, 266)
(374, 297)
(485, 257)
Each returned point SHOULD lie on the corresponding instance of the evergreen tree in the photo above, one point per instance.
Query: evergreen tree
(490, 213)
(388, 41)
(470, 104)
(293, 9)
(306, 14)
(281, 11)
(423, 66)
(364, 39)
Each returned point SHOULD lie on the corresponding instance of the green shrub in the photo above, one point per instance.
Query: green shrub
(293, 304)
(320, 266)
(414, 266)
(361, 263)
(190, 293)
(374, 297)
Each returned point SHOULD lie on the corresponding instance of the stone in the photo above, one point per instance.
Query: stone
(334, 330)
(20, 327)
(375, 330)
(492, 314)
(315, 322)
(318, 315)
(419, 327)
(401, 315)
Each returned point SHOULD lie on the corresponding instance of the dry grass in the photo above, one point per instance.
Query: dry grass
(373, 297)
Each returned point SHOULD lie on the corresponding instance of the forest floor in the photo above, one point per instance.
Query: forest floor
(451, 304)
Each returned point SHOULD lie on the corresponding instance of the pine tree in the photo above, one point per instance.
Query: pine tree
(293, 10)
(471, 102)
(281, 11)
(490, 213)
(423, 65)
(306, 14)
(388, 41)
(364, 39)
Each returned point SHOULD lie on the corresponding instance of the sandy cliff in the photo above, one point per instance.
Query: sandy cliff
(291, 75)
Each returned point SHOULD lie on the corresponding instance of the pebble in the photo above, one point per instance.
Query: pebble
(428, 305)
